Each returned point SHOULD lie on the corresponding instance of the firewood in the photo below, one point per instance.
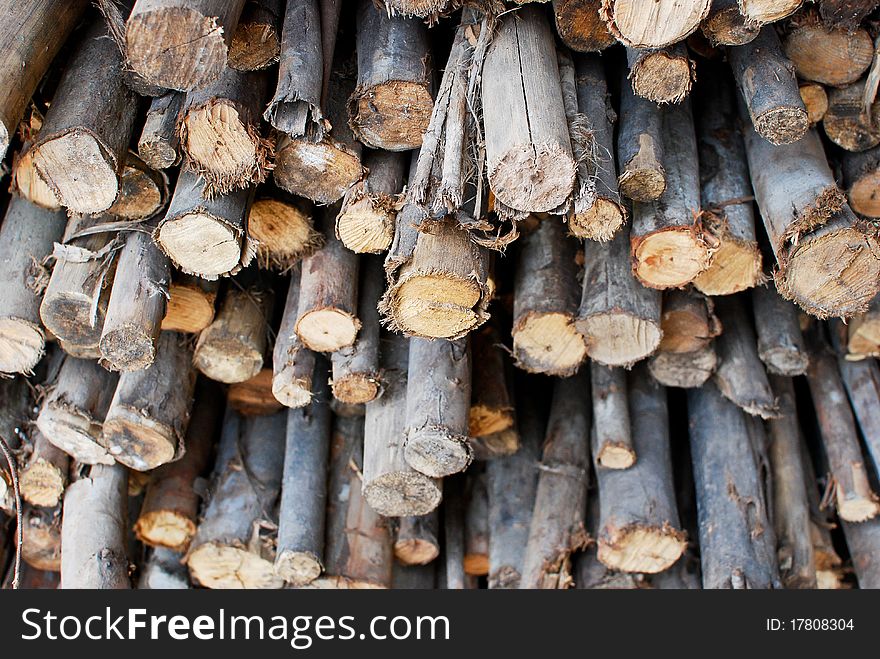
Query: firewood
(190, 305)
(589, 572)
(846, 122)
(528, 148)
(762, 12)
(26, 239)
(438, 396)
(292, 362)
(791, 507)
(736, 548)
(863, 542)
(74, 409)
(137, 305)
(669, 247)
(662, 25)
(861, 174)
(688, 322)
(394, 70)
(849, 486)
(356, 376)
(328, 297)
(557, 525)
(846, 13)
(862, 383)
(832, 56)
(27, 183)
(181, 45)
(234, 544)
(16, 411)
(300, 546)
(206, 237)
(391, 487)
(684, 369)
(545, 339)
(283, 231)
(453, 576)
(661, 76)
(163, 570)
(768, 86)
(416, 541)
(145, 425)
(725, 25)
(231, 348)
(365, 223)
(413, 577)
(82, 145)
(492, 410)
(780, 344)
(580, 26)
(815, 99)
(93, 528)
(256, 42)
(812, 231)
(41, 537)
(864, 332)
(726, 195)
(44, 476)
(254, 397)
(430, 9)
(170, 509)
(476, 526)
(159, 141)
(613, 446)
(640, 147)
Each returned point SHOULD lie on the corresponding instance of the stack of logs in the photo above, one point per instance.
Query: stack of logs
(317, 294)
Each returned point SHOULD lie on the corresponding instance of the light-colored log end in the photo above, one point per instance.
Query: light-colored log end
(815, 100)
(74, 432)
(31, 185)
(642, 182)
(863, 195)
(436, 451)
(403, 494)
(534, 178)
(227, 361)
(415, 551)
(213, 565)
(254, 397)
(377, 119)
(599, 222)
(22, 344)
(190, 309)
(438, 305)
(858, 509)
(660, 24)
(201, 244)
(298, 568)
(476, 565)
(140, 195)
(670, 259)
(254, 46)
(486, 420)
(686, 370)
(366, 226)
(616, 455)
(42, 483)
(736, 266)
(639, 548)
(289, 391)
(619, 339)
(356, 388)
(284, 233)
(662, 77)
(785, 360)
(548, 343)
(165, 528)
(320, 171)
(136, 440)
(327, 330)
(728, 27)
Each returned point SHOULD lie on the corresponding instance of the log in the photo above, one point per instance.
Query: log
(726, 26)
(726, 195)
(438, 396)
(492, 411)
(292, 362)
(143, 192)
(170, 509)
(283, 230)
(356, 376)
(82, 144)
(669, 246)
(73, 411)
(93, 531)
(688, 322)
(33, 33)
(233, 546)
(640, 147)
(254, 397)
(737, 550)
(365, 223)
(639, 523)
(864, 333)
(137, 305)
(27, 183)
(415, 541)
(815, 99)
(780, 344)
(300, 547)
(44, 476)
(256, 42)
(684, 369)
(206, 237)
(391, 105)
(769, 89)
(147, 420)
(41, 537)
(741, 377)
(862, 383)
(790, 505)
(613, 446)
(528, 148)
(476, 526)
(16, 409)
(159, 141)
(413, 577)
(846, 13)
(220, 132)
(231, 348)
(846, 122)
(180, 45)
(453, 576)
(599, 214)
(580, 26)
(589, 572)
(545, 339)
(662, 76)
(832, 56)
(190, 305)
(863, 542)
(391, 487)
(762, 12)
(618, 317)
(163, 570)
(663, 24)
(861, 175)
(430, 9)
(328, 297)
(26, 239)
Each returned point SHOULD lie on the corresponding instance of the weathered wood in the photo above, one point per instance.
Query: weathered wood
(492, 410)
(640, 147)
(416, 541)
(846, 122)
(143, 192)
(612, 437)
(862, 382)
(762, 12)
(861, 175)
(476, 525)
(26, 181)
(180, 45)
(44, 476)
(430, 9)
(452, 576)
(292, 362)
(164, 570)
(662, 76)
(256, 42)
(557, 526)
(726, 25)
(528, 148)
(834, 56)
(147, 420)
(580, 26)
(283, 230)
(41, 537)
(589, 572)
(688, 322)
(780, 344)
(159, 141)
(684, 369)
(863, 332)
(93, 531)
(846, 13)
(863, 542)
(642, 26)
(16, 410)
(190, 305)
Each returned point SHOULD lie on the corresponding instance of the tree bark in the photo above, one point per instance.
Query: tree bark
(663, 24)
(580, 26)
(190, 305)
(640, 147)
(862, 383)
(846, 13)
(613, 446)
(780, 344)
(159, 141)
(416, 541)
(292, 362)
(662, 76)
(726, 26)
(256, 42)
(863, 541)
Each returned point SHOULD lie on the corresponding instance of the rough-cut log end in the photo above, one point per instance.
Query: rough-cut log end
(669, 259)
(201, 244)
(320, 171)
(784, 359)
(142, 194)
(293, 393)
(283, 233)
(391, 116)
(356, 388)
(436, 305)
(137, 441)
(580, 27)
(339, 582)
(298, 567)
(415, 551)
(660, 24)
(548, 343)
(619, 339)
(367, 227)
(213, 565)
(782, 125)
(165, 528)
(30, 184)
(190, 309)
(403, 494)
(864, 337)
(254, 46)
(534, 178)
(75, 433)
(127, 348)
(486, 420)
(437, 452)
(422, 8)
(642, 183)
(42, 483)
(327, 330)
(662, 77)
(815, 100)
(176, 48)
(728, 27)
(616, 455)
(735, 267)
(227, 360)
(158, 154)
(857, 508)
(476, 564)
(599, 222)
(22, 344)
(637, 548)
(687, 370)
(864, 195)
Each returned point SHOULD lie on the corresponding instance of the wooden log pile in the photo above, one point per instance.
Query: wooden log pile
(440, 294)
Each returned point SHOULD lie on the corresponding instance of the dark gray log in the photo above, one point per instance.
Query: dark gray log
(292, 362)
(159, 142)
(780, 343)
(640, 150)
(612, 438)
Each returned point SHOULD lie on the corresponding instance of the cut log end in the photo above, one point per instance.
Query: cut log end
(392, 116)
(165, 528)
(815, 100)
(254, 46)
(138, 442)
(476, 565)
(356, 388)
(616, 455)
(190, 309)
(320, 171)
(140, 195)
(643, 183)
(292, 393)
(366, 227)
(686, 370)
(157, 153)
(599, 222)
(735, 267)
(437, 452)
(662, 78)
(858, 509)
(619, 339)
(22, 344)
(298, 567)
(436, 305)
(486, 420)
(213, 565)
(728, 27)
(228, 361)
(580, 26)
(31, 185)
(201, 244)
(253, 397)
(127, 348)
(782, 125)
(403, 494)
(670, 259)
(284, 233)
(785, 360)
(327, 330)
(548, 343)
(864, 196)
(415, 551)
(664, 23)
(42, 483)
(496, 445)
(637, 548)
(549, 185)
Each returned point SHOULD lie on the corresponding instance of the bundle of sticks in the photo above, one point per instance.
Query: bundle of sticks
(325, 295)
